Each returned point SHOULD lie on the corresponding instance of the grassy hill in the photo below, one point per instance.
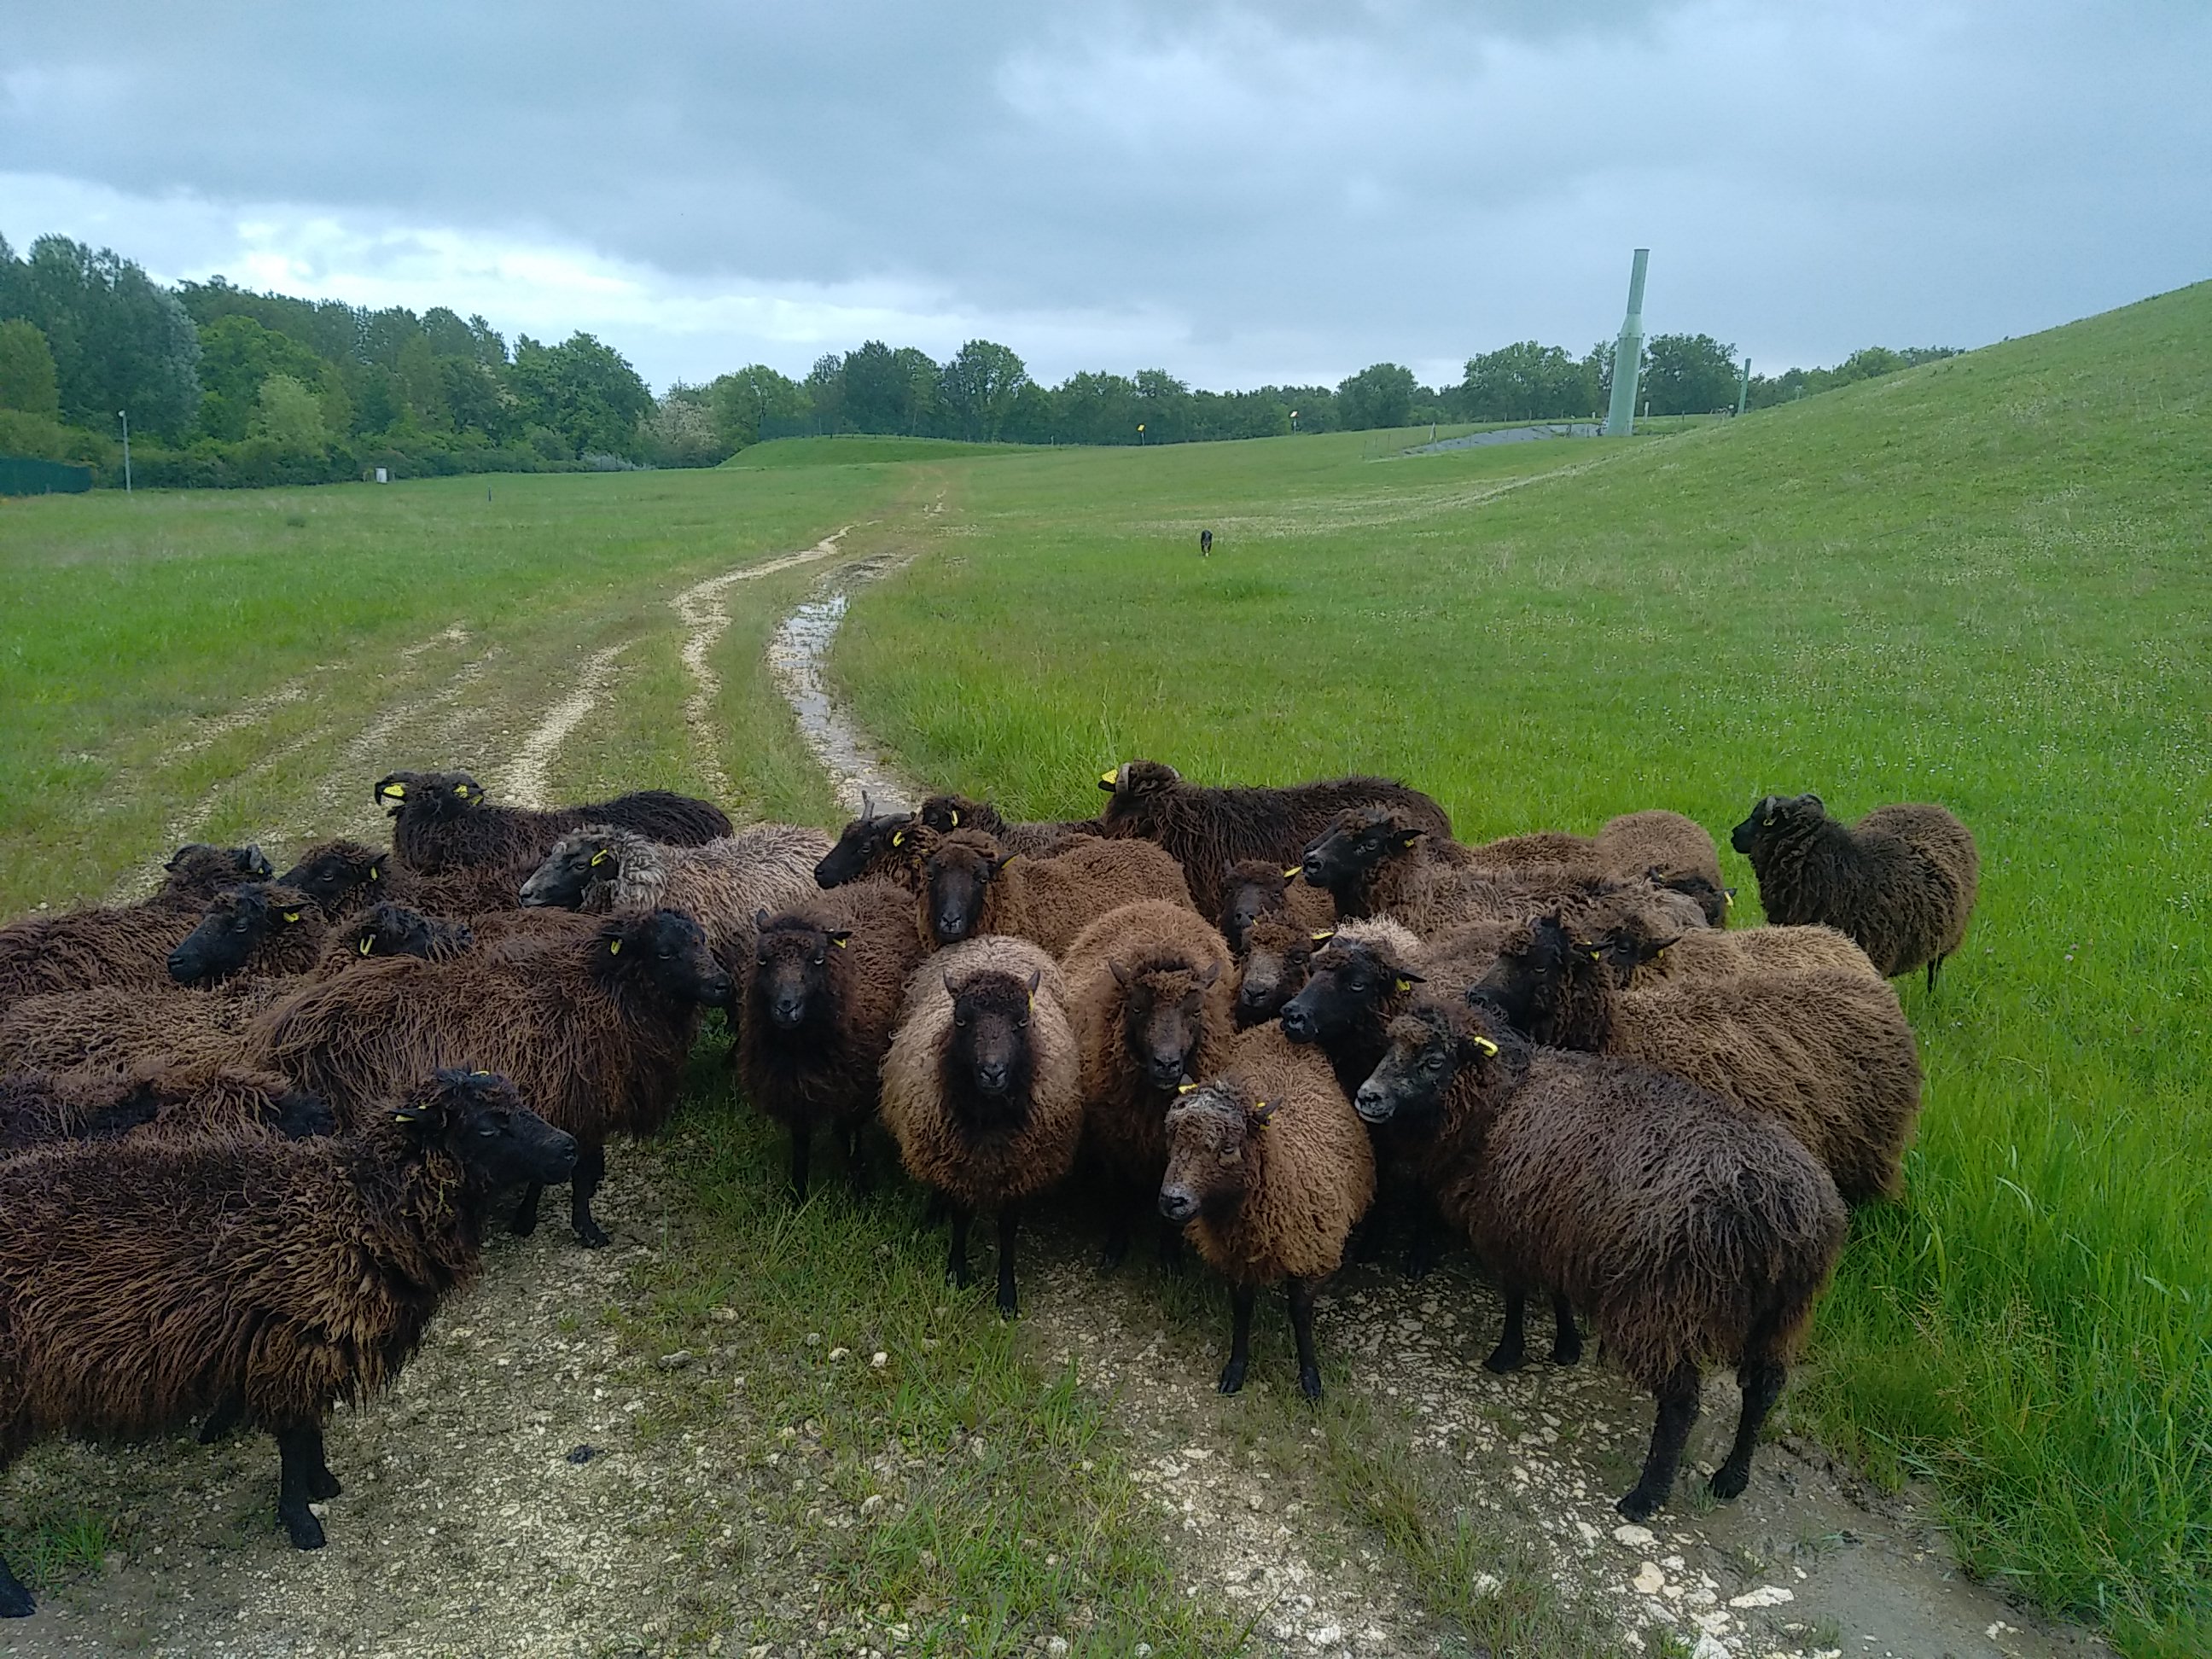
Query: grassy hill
(1983, 582)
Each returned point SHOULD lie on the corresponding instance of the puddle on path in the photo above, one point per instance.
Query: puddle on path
(855, 765)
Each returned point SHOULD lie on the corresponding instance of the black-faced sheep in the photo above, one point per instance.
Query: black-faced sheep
(441, 822)
(720, 884)
(1252, 888)
(1688, 1229)
(1148, 984)
(983, 1087)
(595, 1030)
(822, 984)
(257, 928)
(872, 847)
(1825, 1054)
(1038, 840)
(343, 876)
(393, 930)
(133, 945)
(1208, 830)
(1268, 1169)
(1373, 861)
(968, 885)
(196, 872)
(1901, 881)
(879, 846)
(150, 1282)
(1642, 949)
(38, 1107)
(1273, 967)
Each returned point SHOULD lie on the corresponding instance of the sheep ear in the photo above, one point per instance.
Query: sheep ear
(1036, 978)
(760, 918)
(1212, 972)
(1109, 780)
(1409, 979)
(1120, 974)
(868, 810)
(1812, 801)
(1407, 837)
(841, 937)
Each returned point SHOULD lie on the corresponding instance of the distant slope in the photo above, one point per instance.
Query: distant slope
(858, 447)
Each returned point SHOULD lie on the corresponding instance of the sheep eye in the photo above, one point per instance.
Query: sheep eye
(819, 960)
(666, 955)
(1023, 1023)
(959, 1021)
(1356, 984)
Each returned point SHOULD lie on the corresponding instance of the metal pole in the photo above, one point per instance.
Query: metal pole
(1743, 386)
(1628, 355)
(124, 416)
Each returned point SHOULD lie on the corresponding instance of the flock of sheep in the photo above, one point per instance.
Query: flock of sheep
(251, 1128)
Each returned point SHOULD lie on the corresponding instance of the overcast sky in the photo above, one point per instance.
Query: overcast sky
(1238, 194)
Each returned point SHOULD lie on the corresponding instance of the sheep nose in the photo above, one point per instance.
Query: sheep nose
(1176, 1204)
(1166, 1074)
(1310, 867)
(787, 1014)
(182, 967)
(1298, 1024)
(1373, 1104)
(991, 1078)
(952, 926)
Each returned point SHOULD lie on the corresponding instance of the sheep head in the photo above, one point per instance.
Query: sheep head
(478, 1118)
(1277, 959)
(1351, 981)
(590, 854)
(332, 871)
(395, 930)
(1773, 819)
(1345, 854)
(791, 968)
(239, 921)
(989, 1062)
(868, 843)
(1543, 972)
(1211, 1130)
(955, 874)
(1426, 1047)
(429, 795)
(663, 952)
(1164, 1016)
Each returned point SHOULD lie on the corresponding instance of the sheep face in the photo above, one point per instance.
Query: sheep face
(791, 971)
(1163, 1017)
(866, 840)
(1535, 969)
(946, 813)
(394, 930)
(1357, 844)
(234, 926)
(432, 796)
(1712, 902)
(1774, 819)
(1136, 780)
(1210, 1134)
(478, 1118)
(1277, 959)
(1249, 889)
(573, 866)
(988, 1062)
(1415, 1072)
(330, 875)
(666, 952)
(1349, 982)
(953, 878)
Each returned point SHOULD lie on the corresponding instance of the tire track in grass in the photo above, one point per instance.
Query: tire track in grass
(527, 775)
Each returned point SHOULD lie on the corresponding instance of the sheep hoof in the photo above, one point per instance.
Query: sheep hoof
(16, 1601)
(1504, 1360)
(525, 1223)
(1638, 1506)
(1729, 1482)
(1567, 1354)
(301, 1526)
(1112, 1256)
(1232, 1376)
(323, 1486)
(1310, 1383)
(591, 1236)
(958, 1276)
(1010, 1306)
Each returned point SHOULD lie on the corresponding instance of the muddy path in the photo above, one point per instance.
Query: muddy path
(856, 767)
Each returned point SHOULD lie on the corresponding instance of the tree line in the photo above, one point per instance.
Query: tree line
(228, 386)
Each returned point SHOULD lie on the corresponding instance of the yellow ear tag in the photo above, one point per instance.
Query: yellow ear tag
(1326, 934)
(375, 874)
(1596, 952)
(365, 947)
(1108, 778)
(598, 858)
(1292, 872)
(1405, 985)
(1486, 1045)
(291, 915)
(840, 942)
(614, 947)
(1185, 1088)
(406, 1117)
(898, 837)
(955, 812)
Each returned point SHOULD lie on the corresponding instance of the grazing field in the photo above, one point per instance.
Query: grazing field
(1984, 582)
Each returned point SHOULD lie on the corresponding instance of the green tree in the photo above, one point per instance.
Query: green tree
(289, 414)
(1096, 409)
(237, 354)
(680, 430)
(825, 392)
(874, 395)
(1380, 395)
(1526, 381)
(1163, 406)
(27, 371)
(754, 402)
(1688, 374)
(584, 391)
(423, 384)
(119, 340)
(979, 387)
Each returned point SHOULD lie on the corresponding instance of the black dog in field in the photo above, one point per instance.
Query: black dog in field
(1205, 544)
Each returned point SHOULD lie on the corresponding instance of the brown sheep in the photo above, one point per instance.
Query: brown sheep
(820, 997)
(343, 876)
(967, 885)
(1269, 1170)
(258, 928)
(1901, 881)
(1150, 988)
(1208, 830)
(1273, 967)
(983, 1087)
(1375, 861)
(441, 822)
(1828, 1055)
(135, 946)
(1642, 950)
(879, 846)
(721, 885)
(150, 1282)
(393, 930)
(1689, 1229)
(1252, 888)
(39, 1107)
(196, 872)
(593, 1030)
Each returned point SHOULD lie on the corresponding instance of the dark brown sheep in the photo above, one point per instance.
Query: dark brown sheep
(196, 872)
(983, 1087)
(1901, 881)
(820, 997)
(39, 1107)
(1374, 861)
(441, 822)
(1269, 1170)
(1252, 888)
(343, 876)
(134, 945)
(257, 928)
(593, 1030)
(1642, 950)
(1208, 830)
(1037, 840)
(877, 846)
(1273, 966)
(1148, 984)
(150, 1282)
(1688, 1229)
(1826, 1054)
(393, 930)
(967, 885)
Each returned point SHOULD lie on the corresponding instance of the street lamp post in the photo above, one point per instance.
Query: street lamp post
(124, 416)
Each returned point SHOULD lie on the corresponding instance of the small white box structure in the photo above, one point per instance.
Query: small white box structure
(382, 476)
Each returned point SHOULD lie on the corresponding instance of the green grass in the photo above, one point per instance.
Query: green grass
(1983, 581)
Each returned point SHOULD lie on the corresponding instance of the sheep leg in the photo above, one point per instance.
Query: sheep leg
(856, 1161)
(956, 1260)
(1566, 1339)
(1171, 1248)
(1117, 1247)
(1009, 1218)
(802, 1149)
(1762, 1377)
(1421, 1244)
(16, 1601)
(526, 1213)
(227, 1415)
(1512, 1350)
(1678, 1411)
(1934, 963)
(1241, 1298)
(583, 1182)
(1301, 1293)
(300, 1453)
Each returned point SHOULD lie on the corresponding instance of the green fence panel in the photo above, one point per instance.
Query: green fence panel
(21, 475)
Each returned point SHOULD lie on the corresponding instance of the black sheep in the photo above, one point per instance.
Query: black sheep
(441, 822)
